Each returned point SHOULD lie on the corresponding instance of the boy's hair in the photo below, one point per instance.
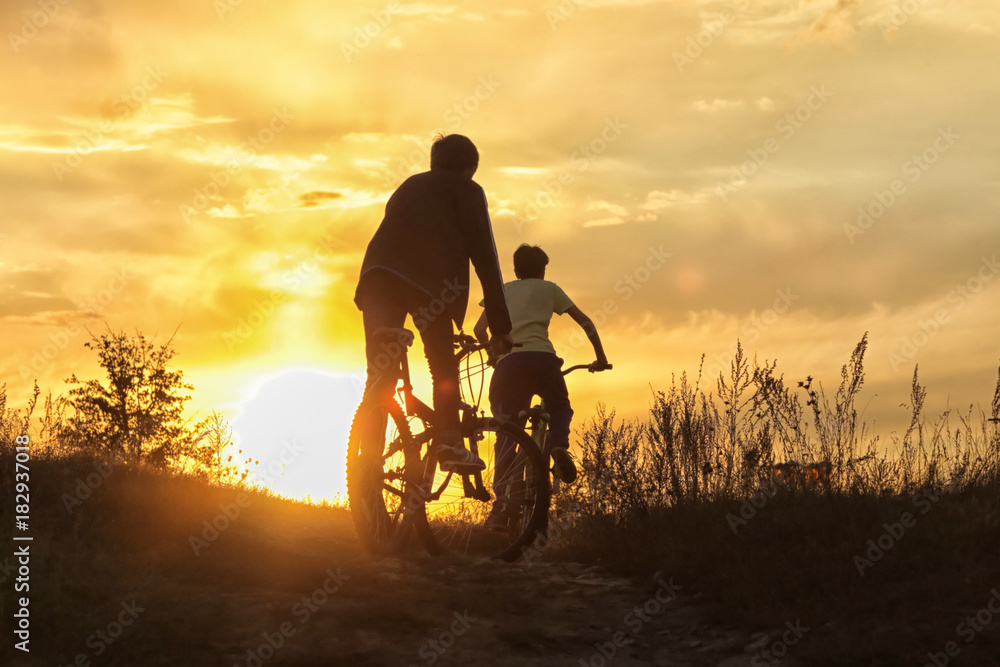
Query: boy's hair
(529, 261)
(454, 152)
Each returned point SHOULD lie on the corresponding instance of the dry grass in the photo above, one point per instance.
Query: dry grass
(699, 491)
(697, 447)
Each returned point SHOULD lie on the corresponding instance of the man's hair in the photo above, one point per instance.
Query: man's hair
(529, 261)
(454, 152)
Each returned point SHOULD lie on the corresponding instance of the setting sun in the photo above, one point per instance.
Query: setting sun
(293, 431)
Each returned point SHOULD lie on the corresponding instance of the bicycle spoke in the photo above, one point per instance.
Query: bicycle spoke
(453, 521)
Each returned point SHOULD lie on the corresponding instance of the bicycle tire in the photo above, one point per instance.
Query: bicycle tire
(554, 481)
(453, 523)
(380, 457)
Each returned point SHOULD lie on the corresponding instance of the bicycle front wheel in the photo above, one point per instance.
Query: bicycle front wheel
(381, 461)
(453, 517)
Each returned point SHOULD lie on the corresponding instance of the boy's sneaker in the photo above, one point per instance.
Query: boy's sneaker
(458, 459)
(562, 465)
(497, 519)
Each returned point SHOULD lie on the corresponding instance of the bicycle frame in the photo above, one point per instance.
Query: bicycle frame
(538, 419)
(472, 485)
(412, 406)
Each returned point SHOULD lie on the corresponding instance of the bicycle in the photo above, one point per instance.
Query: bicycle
(538, 419)
(395, 487)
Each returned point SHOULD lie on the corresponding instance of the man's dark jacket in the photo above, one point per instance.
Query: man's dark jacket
(434, 223)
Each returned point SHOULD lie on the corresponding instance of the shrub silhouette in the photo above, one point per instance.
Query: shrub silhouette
(138, 415)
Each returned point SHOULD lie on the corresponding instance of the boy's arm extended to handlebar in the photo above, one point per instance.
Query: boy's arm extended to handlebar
(591, 330)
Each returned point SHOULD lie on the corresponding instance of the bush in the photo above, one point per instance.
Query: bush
(136, 418)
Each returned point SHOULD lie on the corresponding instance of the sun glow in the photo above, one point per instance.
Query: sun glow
(294, 428)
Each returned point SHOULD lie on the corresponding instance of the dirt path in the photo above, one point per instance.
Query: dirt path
(308, 600)
(488, 613)
(285, 584)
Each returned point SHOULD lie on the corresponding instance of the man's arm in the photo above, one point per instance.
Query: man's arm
(483, 252)
(588, 326)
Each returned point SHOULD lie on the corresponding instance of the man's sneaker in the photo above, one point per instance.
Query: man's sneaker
(562, 465)
(458, 459)
(497, 519)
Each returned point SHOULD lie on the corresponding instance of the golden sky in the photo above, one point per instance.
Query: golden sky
(792, 173)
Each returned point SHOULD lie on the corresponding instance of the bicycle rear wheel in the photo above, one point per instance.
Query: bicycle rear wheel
(381, 460)
(450, 521)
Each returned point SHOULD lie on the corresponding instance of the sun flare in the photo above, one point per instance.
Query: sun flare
(293, 432)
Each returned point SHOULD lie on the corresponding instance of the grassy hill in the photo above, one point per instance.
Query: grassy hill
(160, 569)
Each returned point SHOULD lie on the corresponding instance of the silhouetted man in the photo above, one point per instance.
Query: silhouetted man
(418, 263)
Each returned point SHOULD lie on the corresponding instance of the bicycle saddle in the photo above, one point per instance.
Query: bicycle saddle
(533, 413)
(400, 335)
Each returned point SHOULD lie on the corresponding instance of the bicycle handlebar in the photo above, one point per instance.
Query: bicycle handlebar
(592, 367)
(468, 344)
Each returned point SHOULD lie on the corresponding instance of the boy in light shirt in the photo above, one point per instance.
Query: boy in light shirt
(532, 367)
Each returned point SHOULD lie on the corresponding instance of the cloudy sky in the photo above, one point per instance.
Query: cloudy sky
(792, 173)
